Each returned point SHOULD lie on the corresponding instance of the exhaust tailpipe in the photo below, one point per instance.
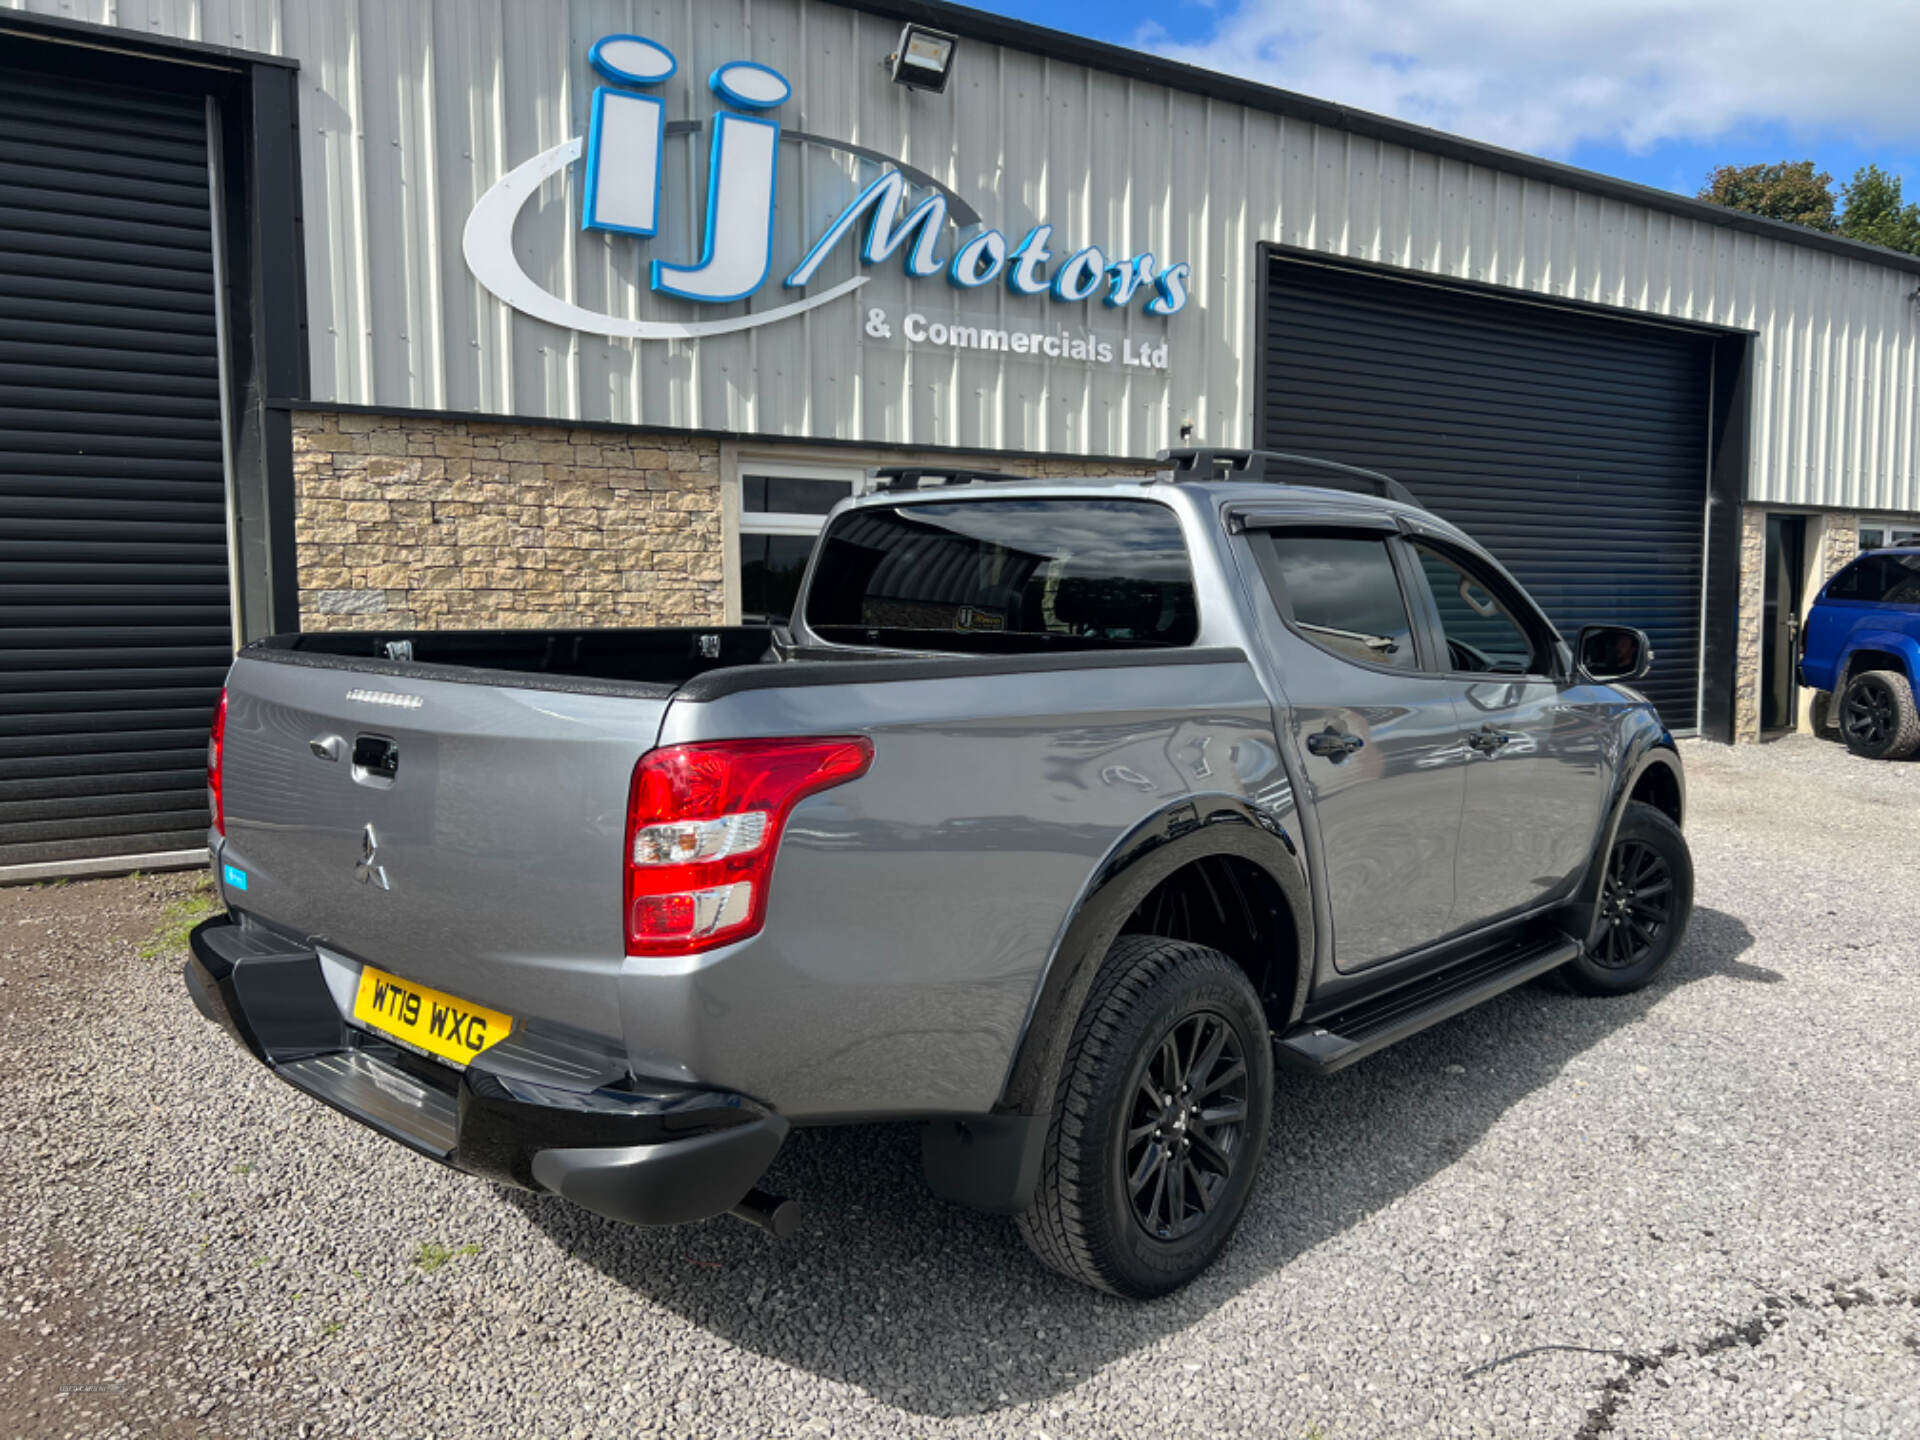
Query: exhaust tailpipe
(777, 1216)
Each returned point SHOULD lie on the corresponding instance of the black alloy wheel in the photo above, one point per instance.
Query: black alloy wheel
(1184, 1134)
(1878, 717)
(1868, 716)
(1636, 905)
(1641, 912)
(1159, 1122)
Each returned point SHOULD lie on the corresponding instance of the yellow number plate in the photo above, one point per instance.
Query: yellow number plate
(429, 1020)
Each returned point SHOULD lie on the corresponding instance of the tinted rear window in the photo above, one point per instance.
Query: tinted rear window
(1005, 575)
(1340, 591)
(1889, 579)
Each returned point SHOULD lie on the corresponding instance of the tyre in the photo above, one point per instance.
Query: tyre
(1160, 1121)
(1646, 900)
(1878, 718)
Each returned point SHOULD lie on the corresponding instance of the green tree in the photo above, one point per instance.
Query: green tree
(1874, 212)
(1788, 191)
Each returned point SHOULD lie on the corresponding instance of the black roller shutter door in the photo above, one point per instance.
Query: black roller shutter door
(1572, 445)
(115, 627)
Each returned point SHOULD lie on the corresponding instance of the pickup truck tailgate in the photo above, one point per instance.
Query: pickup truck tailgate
(484, 859)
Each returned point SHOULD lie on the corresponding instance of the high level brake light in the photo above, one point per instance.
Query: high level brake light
(703, 826)
(216, 748)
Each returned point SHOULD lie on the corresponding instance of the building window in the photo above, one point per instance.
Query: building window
(1880, 534)
(782, 507)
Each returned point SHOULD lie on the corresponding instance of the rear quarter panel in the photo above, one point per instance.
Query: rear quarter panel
(1829, 623)
(912, 913)
(1838, 629)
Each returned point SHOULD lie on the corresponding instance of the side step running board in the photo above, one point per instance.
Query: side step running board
(1344, 1036)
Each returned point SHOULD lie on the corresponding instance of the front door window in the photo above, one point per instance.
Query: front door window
(1479, 629)
(1536, 771)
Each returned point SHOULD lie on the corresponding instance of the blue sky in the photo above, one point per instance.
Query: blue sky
(1658, 91)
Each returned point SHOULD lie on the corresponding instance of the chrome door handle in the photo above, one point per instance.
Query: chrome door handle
(1334, 744)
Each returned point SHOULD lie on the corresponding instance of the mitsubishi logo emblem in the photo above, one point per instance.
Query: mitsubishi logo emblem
(368, 870)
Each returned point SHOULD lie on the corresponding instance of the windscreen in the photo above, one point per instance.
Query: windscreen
(1005, 576)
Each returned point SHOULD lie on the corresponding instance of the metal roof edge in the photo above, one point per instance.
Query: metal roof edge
(971, 24)
(141, 44)
(905, 450)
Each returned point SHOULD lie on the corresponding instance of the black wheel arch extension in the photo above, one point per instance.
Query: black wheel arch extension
(992, 1162)
(1653, 775)
(1174, 838)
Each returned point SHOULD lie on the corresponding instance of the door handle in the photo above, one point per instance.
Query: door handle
(1334, 744)
(1487, 739)
(376, 760)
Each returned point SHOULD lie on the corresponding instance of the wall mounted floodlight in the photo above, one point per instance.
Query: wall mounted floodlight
(923, 59)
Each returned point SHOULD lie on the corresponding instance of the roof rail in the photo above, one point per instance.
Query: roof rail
(1215, 464)
(910, 477)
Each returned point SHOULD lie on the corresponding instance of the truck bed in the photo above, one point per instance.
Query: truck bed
(695, 663)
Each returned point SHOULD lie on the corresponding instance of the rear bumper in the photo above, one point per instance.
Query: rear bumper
(531, 1111)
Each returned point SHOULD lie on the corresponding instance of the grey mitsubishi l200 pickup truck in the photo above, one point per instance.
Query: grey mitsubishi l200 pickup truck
(1059, 815)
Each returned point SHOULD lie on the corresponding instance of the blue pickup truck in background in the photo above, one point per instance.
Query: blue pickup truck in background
(1861, 643)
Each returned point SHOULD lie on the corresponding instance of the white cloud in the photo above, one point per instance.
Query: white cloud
(1545, 75)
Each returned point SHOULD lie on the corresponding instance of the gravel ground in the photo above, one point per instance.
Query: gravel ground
(1693, 1212)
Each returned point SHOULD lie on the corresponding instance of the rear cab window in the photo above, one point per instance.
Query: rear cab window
(1341, 593)
(1005, 576)
(1885, 579)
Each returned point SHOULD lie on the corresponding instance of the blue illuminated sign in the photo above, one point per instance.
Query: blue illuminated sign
(622, 194)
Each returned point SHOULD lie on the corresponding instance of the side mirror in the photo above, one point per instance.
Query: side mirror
(1607, 654)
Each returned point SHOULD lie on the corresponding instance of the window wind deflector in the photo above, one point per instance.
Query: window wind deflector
(1268, 467)
(1252, 517)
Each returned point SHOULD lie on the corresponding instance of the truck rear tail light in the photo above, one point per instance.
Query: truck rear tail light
(216, 747)
(703, 827)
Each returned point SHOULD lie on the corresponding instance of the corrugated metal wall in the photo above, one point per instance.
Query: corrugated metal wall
(411, 108)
